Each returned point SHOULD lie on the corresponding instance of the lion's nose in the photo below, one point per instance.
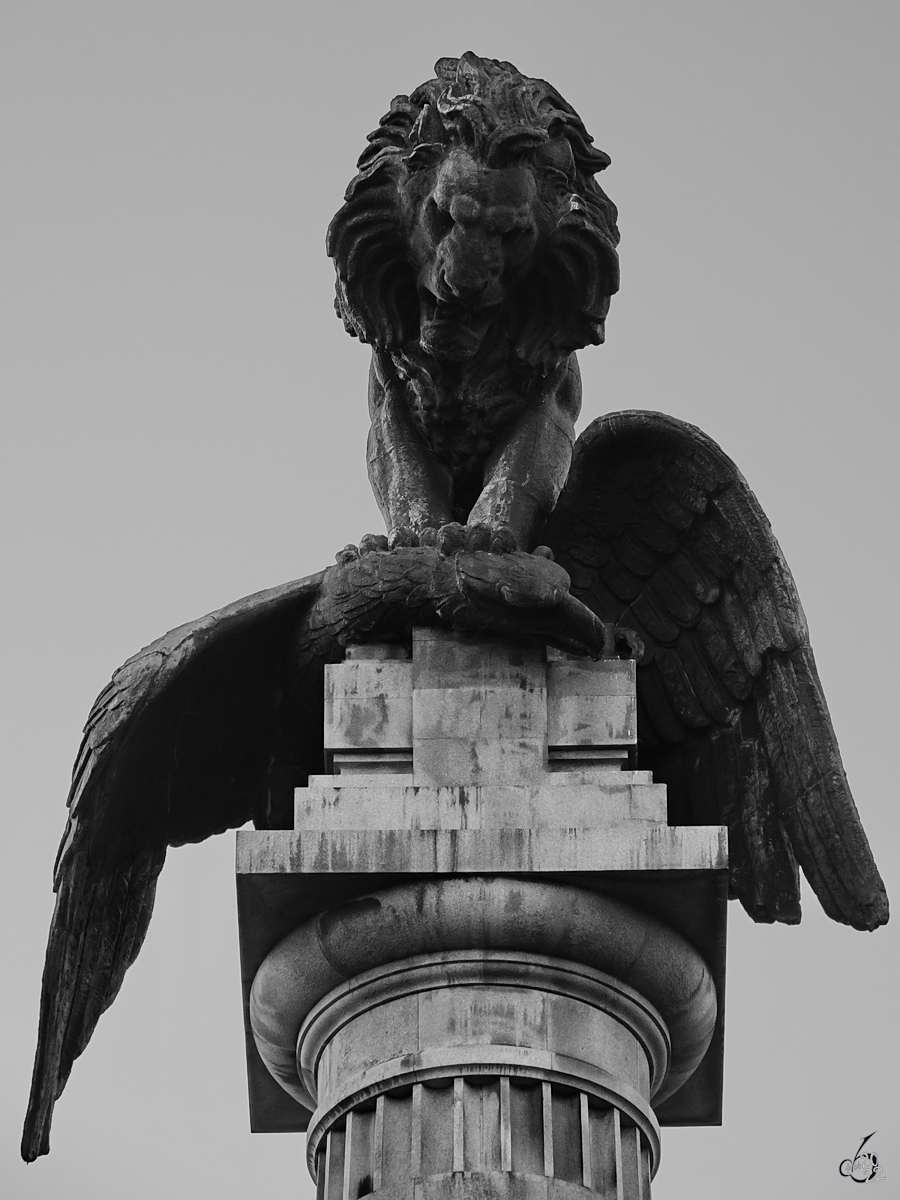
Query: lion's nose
(467, 271)
(464, 285)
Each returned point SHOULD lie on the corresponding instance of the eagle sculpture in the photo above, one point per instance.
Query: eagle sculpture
(475, 253)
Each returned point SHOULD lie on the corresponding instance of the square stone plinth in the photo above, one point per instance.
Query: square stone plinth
(481, 758)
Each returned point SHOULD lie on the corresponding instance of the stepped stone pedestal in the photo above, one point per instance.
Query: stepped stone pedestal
(482, 963)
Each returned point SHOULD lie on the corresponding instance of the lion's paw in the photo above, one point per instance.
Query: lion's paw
(450, 538)
(402, 536)
(349, 554)
(369, 543)
(453, 538)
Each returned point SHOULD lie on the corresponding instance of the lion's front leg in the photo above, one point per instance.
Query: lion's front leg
(412, 486)
(527, 471)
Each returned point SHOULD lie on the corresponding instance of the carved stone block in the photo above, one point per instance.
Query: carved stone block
(368, 700)
(443, 804)
(590, 703)
(477, 719)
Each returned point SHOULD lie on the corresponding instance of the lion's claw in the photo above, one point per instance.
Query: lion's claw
(454, 537)
(503, 541)
(478, 537)
(402, 535)
(451, 538)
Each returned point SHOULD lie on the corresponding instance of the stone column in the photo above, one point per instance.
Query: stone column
(482, 963)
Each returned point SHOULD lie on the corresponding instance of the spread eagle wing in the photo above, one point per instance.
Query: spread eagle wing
(217, 723)
(659, 531)
(197, 733)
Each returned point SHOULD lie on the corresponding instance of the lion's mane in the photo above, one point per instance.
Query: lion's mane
(496, 113)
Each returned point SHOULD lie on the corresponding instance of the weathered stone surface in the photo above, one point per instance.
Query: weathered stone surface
(368, 700)
(415, 920)
(599, 825)
(593, 799)
(618, 846)
(394, 1028)
(497, 717)
(477, 717)
(445, 1050)
(590, 703)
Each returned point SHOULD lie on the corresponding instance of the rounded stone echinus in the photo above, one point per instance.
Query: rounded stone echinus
(483, 1036)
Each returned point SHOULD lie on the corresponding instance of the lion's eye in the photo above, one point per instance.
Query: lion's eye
(517, 231)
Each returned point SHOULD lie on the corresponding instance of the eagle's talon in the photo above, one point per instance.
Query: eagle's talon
(373, 541)
(349, 554)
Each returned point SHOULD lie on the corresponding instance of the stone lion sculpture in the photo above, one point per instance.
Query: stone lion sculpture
(475, 253)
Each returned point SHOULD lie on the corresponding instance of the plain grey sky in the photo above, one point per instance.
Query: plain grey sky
(185, 424)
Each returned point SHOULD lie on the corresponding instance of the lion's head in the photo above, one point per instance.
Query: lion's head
(475, 209)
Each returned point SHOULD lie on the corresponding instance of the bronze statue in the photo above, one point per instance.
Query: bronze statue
(476, 254)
